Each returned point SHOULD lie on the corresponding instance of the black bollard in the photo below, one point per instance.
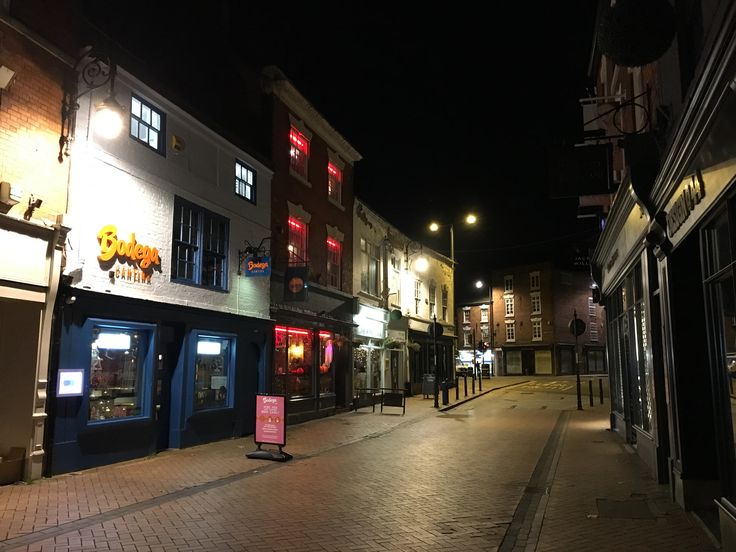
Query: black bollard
(480, 379)
(600, 388)
(465, 379)
(473, 384)
(590, 391)
(457, 388)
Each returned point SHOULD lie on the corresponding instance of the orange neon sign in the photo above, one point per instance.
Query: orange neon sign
(110, 246)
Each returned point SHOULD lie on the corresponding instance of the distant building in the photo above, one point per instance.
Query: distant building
(402, 287)
(527, 327)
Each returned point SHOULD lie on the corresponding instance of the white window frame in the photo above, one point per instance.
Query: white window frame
(536, 302)
(508, 283)
(536, 329)
(245, 181)
(466, 315)
(534, 281)
(432, 299)
(467, 337)
(484, 313)
(510, 331)
(508, 302)
(417, 295)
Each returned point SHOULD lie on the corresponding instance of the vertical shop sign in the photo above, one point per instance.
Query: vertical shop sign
(270, 427)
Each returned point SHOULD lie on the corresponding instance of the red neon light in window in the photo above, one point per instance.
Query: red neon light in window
(294, 223)
(332, 243)
(334, 171)
(295, 331)
(325, 335)
(298, 139)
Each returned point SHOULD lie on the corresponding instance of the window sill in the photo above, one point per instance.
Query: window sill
(336, 203)
(299, 177)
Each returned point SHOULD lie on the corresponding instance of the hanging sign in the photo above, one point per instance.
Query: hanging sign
(257, 266)
(295, 283)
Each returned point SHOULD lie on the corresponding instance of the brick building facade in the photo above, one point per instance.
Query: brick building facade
(528, 326)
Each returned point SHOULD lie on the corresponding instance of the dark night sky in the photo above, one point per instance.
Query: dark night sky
(452, 109)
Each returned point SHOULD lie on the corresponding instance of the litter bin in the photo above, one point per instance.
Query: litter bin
(428, 385)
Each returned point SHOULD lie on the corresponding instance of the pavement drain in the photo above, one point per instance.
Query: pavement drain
(624, 509)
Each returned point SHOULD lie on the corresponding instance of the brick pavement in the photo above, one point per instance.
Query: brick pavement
(103, 508)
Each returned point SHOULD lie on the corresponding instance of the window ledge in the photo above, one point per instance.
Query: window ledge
(299, 177)
(336, 203)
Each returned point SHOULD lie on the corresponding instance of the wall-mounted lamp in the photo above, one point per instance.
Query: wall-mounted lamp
(95, 70)
(421, 264)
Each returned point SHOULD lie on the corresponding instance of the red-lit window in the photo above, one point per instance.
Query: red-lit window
(334, 258)
(293, 374)
(299, 152)
(297, 241)
(334, 183)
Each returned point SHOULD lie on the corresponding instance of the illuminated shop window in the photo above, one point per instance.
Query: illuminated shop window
(299, 153)
(245, 181)
(297, 241)
(293, 362)
(334, 260)
(117, 375)
(147, 124)
(334, 183)
(326, 366)
(213, 372)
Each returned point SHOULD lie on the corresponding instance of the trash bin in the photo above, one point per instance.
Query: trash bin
(428, 385)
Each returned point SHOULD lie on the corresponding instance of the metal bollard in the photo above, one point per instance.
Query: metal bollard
(457, 388)
(480, 379)
(600, 388)
(473, 384)
(590, 391)
(465, 379)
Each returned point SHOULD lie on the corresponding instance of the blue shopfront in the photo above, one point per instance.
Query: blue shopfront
(132, 377)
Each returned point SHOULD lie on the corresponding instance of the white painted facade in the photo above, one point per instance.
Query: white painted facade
(124, 183)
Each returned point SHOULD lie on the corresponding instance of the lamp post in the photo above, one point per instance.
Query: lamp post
(470, 219)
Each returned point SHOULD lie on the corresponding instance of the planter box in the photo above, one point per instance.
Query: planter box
(11, 464)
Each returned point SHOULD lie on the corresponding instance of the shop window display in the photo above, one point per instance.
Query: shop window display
(326, 365)
(116, 372)
(212, 372)
(293, 362)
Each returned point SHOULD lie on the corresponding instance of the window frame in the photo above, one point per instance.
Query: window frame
(246, 186)
(334, 182)
(334, 259)
(508, 302)
(194, 338)
(510, 331)
(297, 227)
(369, 262)
(508, 283)
(145, 378)
(198, 247)
(139, 120)
(534, 280)
(536, 325)
(536, 302)
(295, 136)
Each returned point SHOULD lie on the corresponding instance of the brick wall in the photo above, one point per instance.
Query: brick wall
(30, 123)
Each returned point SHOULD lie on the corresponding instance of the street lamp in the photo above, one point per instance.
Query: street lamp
(434, 226)
(420, 263)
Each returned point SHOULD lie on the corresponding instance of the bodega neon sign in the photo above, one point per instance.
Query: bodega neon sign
(112, 248)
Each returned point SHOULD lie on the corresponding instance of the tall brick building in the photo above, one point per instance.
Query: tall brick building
(528, 325)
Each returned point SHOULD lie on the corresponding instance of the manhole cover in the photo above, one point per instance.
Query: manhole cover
(624, 509)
